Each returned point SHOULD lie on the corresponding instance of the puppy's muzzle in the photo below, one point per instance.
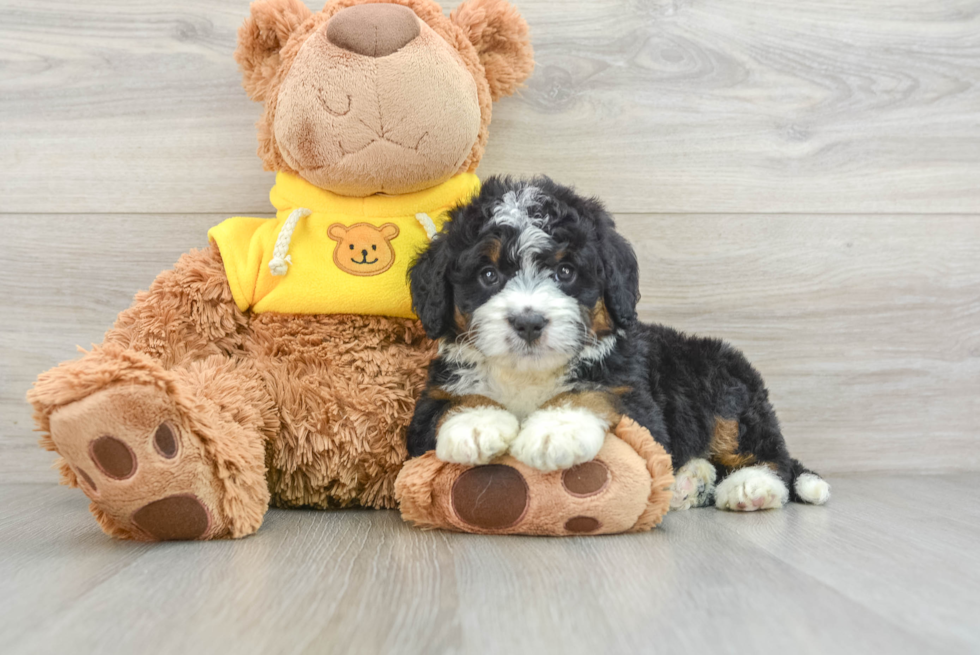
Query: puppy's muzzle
(528, 325)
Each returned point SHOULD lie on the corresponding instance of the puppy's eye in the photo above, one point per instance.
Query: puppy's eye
(565, 273)
(489, 277)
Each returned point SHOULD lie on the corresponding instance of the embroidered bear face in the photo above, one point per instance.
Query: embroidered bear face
(363, 249)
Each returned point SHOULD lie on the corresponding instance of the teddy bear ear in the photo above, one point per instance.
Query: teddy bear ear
(261, 37)
(500, 35)
(337, 231)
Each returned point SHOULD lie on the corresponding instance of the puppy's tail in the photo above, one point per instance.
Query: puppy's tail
(806, 486)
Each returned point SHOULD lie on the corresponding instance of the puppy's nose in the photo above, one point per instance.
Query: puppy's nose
(528, 325)
(373, 30)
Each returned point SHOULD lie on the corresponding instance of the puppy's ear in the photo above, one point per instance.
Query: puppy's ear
(620, 269)
(500, 36)
(261, 37)
(432, 295)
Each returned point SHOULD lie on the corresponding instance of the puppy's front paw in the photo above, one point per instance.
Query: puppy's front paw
(475, 436)
(694, 484)
(559, 438)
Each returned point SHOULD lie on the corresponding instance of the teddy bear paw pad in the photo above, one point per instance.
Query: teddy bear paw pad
(586, 479)
(181, 517)
(582, 524)
(147, 474)
(113, 457)
(490, 497)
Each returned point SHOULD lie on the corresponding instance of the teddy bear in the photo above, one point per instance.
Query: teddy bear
(280, 364)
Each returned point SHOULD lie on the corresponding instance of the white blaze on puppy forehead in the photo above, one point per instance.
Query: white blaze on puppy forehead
(515, 210)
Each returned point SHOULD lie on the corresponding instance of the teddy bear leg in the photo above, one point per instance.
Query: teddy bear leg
(626, 488)
(162, 455)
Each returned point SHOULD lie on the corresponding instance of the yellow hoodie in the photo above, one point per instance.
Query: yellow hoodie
(330, 254)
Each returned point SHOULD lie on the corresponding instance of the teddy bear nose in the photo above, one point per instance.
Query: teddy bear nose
(374, 29)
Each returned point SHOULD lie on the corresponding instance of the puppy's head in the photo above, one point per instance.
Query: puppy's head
(528, 272)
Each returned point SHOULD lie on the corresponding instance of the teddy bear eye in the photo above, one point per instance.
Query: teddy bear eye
(373, 247)
(352, 246)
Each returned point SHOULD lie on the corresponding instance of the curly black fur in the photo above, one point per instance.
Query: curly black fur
(675, 385)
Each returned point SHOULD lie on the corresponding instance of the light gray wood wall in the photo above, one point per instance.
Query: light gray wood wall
(801, 177)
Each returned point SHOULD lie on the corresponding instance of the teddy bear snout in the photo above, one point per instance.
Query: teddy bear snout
(373, 30)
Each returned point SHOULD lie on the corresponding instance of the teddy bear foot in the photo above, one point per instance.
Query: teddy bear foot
(625, 488)
(148, 477)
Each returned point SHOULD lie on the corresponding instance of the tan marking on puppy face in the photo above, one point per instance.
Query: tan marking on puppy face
(462, 320)
(600, 403)
(601, 324)
(493, 250)
(724, 445)
(363, 249)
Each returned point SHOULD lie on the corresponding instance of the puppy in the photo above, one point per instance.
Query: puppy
(532, 295)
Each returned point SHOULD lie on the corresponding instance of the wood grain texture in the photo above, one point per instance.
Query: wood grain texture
(655, 105)
(867, 329)
(845, 578)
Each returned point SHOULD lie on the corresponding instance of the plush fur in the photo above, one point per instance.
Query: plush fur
(634, 496)
(258, 392)
(532, 295)
(287, 410)
(388, 109)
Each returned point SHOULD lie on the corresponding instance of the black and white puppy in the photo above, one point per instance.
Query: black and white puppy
(532, 295)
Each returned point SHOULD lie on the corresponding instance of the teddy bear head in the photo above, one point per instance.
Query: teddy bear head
(379, 96)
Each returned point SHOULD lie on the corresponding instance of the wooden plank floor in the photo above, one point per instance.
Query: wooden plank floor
(890, 565)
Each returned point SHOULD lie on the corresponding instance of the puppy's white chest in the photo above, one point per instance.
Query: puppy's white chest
(521, 392)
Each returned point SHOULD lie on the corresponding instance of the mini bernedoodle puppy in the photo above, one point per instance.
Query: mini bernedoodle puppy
(532, 295)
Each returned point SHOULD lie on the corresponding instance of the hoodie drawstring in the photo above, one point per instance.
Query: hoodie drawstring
(280, 256)
(427, 224)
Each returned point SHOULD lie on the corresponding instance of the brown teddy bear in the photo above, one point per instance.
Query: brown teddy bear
(280, 365)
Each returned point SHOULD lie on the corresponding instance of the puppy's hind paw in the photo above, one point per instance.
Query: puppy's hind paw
(812, 489)
(476, 436)
(750, 489)
(559, 438)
